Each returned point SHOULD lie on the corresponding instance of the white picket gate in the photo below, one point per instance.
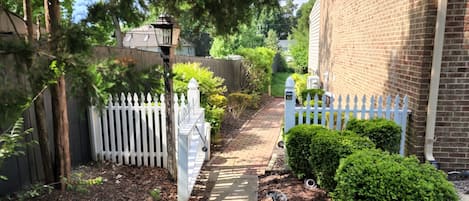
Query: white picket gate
(395, 109)
(131, 130)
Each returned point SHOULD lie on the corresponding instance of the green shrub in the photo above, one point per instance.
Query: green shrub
(280, 63)
(312, 93)
(311, 103)
(211, 90)
(217, 100)
(378, 176)
(326, 150)
(258, 65)
(238, 102)
(297, 142)
(300, 85)
(342, 120)
(386, 134)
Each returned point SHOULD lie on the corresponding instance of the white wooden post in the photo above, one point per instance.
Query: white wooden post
(95, 134)
(289, 104)
(207, 140)
(183, 165)
(403, 126)
(193, 95)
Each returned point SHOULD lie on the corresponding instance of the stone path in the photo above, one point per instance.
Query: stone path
(234, 172)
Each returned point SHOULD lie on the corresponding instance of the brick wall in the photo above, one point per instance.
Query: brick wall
(382, 47)
(452, 126)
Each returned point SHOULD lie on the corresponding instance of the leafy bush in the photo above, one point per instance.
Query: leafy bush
(300, 85)
(386, 134)
(211, 90)
(375, 175)
(238, 102)
(327, 148)
(297, 142)
(111, 77)
(258, 65)
(217, 100)
(311, 103)
(342, 120)
(280, 64)
(12, 142)
(312, 93)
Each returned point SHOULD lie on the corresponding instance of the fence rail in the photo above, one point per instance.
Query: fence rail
(337, 113)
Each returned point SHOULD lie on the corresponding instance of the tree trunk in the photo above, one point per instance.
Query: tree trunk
(42, 133)
(118, 31)
(61, 132)
(27, 9)
(40, 112)
(59, 98)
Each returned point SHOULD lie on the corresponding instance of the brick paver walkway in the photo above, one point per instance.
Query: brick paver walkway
(234, 171)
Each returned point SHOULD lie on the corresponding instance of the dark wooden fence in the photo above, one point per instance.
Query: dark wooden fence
(27, 170)
(230, 70)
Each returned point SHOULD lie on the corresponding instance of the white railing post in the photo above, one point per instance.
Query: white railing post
(95, 134)
(183, 165)
(290, 102)
(207, 128)
(403, 126)
(193, 95)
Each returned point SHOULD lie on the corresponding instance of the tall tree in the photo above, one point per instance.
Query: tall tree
(247, 37)
(39, 109)
(223, 16)
(109, 15)
(272, 40)
(299, 49)
(59, 97)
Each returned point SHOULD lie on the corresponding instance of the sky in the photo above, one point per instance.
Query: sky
(80, 7)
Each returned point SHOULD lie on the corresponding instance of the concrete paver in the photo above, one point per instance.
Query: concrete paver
(235, 171)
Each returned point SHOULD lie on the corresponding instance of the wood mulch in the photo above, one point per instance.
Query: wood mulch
(120, 182)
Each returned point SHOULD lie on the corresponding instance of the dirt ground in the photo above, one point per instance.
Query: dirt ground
(119, 182)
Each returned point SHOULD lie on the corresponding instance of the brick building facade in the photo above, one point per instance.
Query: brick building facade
(382, 47)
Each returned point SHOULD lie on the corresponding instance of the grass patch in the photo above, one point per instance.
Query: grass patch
(278, 83)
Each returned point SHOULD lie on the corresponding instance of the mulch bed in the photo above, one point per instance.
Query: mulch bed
(290, 186)
(120, 182)
(278, 178)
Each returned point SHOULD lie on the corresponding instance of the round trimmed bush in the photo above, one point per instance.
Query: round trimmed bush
(386, 134)
(297, 142)
(379, 176)
(327, 148)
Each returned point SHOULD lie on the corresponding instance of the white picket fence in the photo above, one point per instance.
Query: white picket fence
(395, 109)
(131, 130)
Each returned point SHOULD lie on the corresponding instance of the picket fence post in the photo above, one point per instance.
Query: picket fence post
(290, 102)
(193, 95)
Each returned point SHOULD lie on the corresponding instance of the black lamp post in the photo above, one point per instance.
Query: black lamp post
(167, 34)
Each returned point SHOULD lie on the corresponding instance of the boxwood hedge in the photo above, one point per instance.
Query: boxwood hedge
(379, 176)
(326, 150)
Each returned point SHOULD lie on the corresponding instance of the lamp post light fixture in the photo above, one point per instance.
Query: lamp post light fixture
(167, 37)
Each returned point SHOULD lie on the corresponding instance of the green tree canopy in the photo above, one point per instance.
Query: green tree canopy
(247, 37)
(299, 50)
